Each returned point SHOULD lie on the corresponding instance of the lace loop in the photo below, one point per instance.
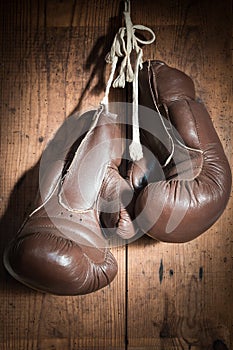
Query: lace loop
(124, 43)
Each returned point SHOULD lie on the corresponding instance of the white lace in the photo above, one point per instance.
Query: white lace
(124, 43)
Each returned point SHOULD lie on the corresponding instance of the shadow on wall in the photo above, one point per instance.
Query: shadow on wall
(95, 63)
(219, 345)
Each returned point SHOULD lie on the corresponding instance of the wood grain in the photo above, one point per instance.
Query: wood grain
(165, 296)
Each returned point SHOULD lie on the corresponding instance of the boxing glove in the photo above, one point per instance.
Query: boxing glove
(61, 247)
(184, 180)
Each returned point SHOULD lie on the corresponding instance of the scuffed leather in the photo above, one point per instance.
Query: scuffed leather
(61, 247)
(192, 191)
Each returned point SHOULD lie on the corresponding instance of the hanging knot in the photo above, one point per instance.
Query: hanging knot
(129, 72)
(119, 82)
(108, 58)
(135, 151)
(124, 43)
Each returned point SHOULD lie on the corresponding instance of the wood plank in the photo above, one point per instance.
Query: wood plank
(179, 296)
(48, 70)
(182, 292)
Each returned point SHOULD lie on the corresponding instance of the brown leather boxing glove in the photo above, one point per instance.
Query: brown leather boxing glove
(61, 248)
(184, 179)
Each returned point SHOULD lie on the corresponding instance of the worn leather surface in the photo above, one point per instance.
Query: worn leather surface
(190, 193)
(61, 247)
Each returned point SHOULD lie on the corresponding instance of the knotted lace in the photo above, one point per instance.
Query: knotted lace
(124, 43)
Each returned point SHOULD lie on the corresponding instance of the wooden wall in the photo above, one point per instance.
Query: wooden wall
(165, 296)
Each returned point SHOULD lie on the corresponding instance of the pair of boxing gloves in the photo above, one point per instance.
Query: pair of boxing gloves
(174, 193)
